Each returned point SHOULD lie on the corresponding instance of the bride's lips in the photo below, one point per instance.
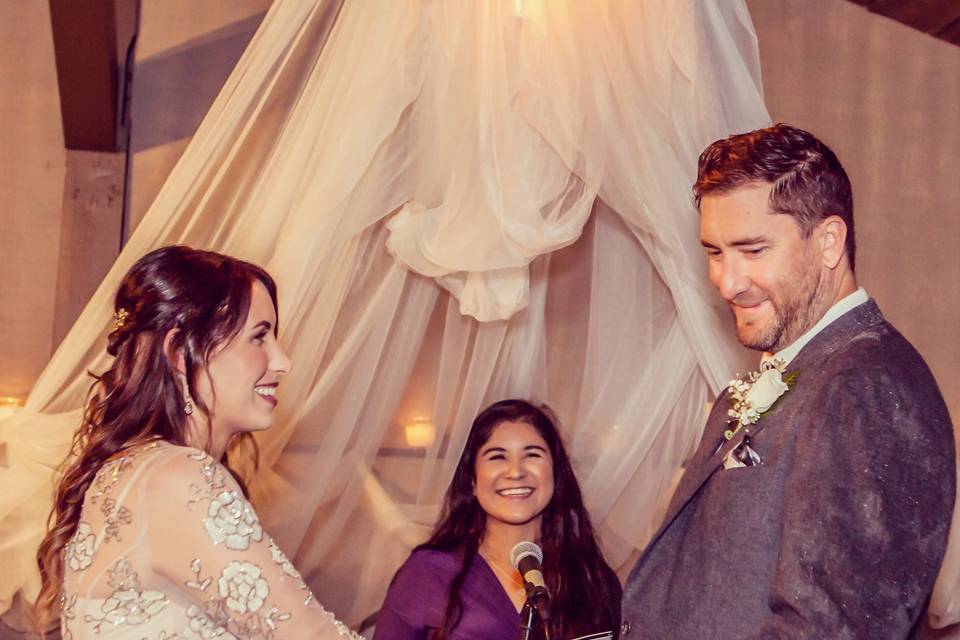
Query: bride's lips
(267, 392)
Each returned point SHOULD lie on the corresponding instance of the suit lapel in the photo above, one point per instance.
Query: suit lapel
(708, 459)
(704, 463)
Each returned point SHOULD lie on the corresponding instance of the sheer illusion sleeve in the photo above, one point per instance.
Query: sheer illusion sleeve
(205, 538)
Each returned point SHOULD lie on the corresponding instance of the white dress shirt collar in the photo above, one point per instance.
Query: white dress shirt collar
(839, 308)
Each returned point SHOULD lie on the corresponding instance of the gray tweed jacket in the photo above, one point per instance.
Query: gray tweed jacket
(841, 530)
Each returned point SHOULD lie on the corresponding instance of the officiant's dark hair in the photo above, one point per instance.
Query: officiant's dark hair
(173, 301)
(585, 592)
(809, 183)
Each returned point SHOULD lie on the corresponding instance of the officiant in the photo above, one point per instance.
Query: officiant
(513, 483)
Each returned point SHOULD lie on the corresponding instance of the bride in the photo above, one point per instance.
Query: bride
(151, 533)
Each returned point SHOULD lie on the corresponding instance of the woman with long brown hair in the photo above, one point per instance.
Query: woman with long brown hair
(514, 483)
(151, 534)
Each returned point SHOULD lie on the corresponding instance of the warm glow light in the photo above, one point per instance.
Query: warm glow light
(8, 406)
(530, 9)
(420, 433)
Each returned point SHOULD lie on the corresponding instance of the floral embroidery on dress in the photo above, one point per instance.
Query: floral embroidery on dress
(214, 479)
(205, 627)
(242, 591)
(80, 548)
(236, 592)
(115, 517)
(128, 604)
(243, 586)
(104, 482)
(231, 520)
(108, 476)
(67, 606)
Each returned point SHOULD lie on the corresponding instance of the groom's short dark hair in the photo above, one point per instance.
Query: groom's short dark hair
(809, 183)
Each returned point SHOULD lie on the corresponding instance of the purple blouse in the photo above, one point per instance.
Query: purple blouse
(417, 599)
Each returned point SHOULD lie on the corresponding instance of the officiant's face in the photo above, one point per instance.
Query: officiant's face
(514, 475)
(768, 274)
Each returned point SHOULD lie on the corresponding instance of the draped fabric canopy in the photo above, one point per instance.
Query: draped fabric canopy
(460, 202)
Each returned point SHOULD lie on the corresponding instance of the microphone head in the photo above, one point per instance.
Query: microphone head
(523, 549)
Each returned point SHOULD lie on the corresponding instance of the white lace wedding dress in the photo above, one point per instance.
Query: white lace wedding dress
(168, 548)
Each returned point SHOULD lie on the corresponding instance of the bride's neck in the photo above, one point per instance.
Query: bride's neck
(209, 440)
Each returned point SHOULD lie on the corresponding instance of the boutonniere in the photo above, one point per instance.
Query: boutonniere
(753, 397)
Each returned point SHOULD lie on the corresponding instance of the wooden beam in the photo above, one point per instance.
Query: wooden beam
(90, 40)
(939, 18)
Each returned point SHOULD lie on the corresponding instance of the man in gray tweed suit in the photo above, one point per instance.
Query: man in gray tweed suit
(819, 500)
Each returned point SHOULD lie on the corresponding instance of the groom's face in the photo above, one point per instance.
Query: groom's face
(766, 272)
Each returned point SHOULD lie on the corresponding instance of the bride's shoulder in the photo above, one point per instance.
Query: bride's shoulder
(178, 455)
(183, 466)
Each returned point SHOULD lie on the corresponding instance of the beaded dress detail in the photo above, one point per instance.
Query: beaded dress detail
(168, 548)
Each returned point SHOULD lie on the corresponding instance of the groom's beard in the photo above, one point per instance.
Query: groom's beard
(796, 303)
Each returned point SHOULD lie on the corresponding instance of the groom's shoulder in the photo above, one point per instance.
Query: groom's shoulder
(879, 368)
(879, 349)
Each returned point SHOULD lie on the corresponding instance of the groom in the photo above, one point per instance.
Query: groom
(818, 502)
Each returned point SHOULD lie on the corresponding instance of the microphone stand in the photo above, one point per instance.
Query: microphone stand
(528, 620)
(528, 617)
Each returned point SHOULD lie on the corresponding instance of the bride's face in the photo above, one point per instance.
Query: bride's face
(241, 386)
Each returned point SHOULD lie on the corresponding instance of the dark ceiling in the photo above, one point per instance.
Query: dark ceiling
(939, 18)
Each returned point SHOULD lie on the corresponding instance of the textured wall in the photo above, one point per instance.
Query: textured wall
(185, 51)
(885, 97)
(32, 169)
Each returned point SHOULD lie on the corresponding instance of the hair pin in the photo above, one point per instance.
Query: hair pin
(120, 318)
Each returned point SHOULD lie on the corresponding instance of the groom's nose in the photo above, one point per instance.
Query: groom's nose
(731, 279)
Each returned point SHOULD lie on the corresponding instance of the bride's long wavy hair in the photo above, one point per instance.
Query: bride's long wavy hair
(205, 296)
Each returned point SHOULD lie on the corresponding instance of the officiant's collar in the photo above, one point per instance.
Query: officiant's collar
(842, 306)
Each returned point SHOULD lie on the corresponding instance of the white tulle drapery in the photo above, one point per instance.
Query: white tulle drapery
(461, 202)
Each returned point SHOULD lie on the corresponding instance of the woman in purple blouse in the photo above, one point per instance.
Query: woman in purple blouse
(514, 482)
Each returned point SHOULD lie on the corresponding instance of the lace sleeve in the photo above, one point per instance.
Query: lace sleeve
(204, 536)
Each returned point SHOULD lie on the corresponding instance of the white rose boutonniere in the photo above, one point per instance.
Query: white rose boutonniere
(753, 397)
(766, 390)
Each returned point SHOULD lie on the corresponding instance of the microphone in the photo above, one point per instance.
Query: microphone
(526, 558)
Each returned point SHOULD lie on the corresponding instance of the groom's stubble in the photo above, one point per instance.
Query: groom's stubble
(798, 302)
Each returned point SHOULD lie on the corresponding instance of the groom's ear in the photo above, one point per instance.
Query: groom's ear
(832, 237)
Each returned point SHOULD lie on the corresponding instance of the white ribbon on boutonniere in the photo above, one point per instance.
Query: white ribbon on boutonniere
(753, 397)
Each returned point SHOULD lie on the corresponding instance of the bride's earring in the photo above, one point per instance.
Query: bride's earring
(185, 389)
